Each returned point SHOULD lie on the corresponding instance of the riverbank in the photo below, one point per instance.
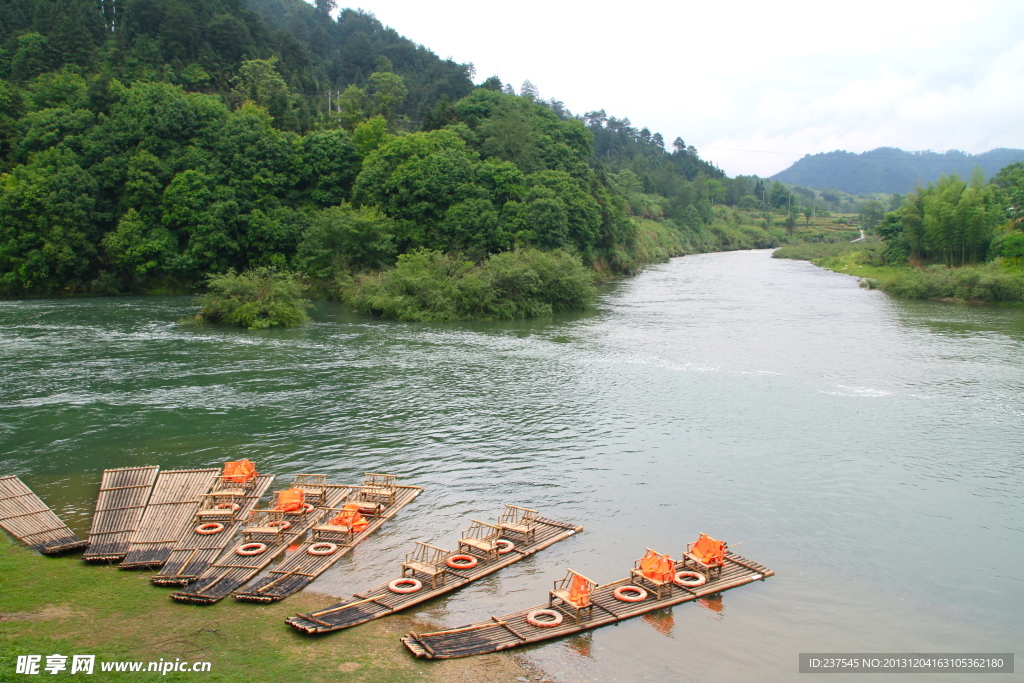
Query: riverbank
(982, 284)
(64, 606)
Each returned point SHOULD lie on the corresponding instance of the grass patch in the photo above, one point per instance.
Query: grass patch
(64, 606)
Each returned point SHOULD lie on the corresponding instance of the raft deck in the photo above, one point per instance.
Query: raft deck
(122, 500)
(195, 552)
(379, 601)
(301, 568)
(26, 517)
(231, 570)
(176, 495)
(512, 630)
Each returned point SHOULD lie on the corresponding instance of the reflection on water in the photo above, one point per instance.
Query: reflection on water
(661, 620)
(757, 400)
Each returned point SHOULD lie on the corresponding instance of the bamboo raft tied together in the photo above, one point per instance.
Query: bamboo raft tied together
(512, 630)
(274, 529)
(521, 532)
(229, 504)
(364, 510)
(26, 517)
(172, 505)
(124, 493)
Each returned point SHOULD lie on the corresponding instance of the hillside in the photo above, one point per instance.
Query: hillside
(890, 170)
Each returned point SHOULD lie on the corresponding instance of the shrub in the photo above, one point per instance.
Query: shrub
(256, 299)
(430, 286)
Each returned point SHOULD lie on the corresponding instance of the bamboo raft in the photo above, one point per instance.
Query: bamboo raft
(195, 552)
(302, 567)
(24, 515)
(380, 601)
(512, 630)
(231, 570)
(176, 495)
(122, 500)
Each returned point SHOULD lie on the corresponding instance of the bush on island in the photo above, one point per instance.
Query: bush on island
(257, 299)
(430, 286)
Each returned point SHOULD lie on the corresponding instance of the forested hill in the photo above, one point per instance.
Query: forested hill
(890, 170)
(147, 144)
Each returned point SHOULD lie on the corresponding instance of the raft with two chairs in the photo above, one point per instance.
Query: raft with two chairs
(429, 571)
(364, 510)
(577, 603)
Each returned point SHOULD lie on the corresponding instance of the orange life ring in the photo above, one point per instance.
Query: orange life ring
(283, 523)
(639, 594)
(210, 528)
(411, 585)
(462, 562)
(306, 507)
(532, 619)
(251, 548)
(695, 579)
(234, 507)
(324, 549)
(505, 546)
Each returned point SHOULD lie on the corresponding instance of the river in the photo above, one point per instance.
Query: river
(868, 449)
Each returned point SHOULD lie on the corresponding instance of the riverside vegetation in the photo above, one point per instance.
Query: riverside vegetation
(159, 146)
(951, 240)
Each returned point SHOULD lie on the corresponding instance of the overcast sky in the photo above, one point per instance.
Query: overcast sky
(754, 85)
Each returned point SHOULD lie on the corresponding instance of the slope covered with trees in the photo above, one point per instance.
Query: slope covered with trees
(149, 144)
(889, 170)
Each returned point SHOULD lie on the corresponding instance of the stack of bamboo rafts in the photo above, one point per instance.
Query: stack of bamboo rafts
(175, 498)
(124, 493)
(430, 571)
(27, 518)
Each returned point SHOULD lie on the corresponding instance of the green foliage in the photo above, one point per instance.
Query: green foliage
(811, 251)
(257, 299)
(342, 239)
(986, 283)
(432, 286)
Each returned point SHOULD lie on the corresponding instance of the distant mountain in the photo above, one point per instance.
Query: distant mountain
(889, 170)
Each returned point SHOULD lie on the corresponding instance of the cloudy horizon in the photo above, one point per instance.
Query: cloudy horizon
(755, 87)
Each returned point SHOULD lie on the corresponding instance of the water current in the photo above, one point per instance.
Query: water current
(869, 450)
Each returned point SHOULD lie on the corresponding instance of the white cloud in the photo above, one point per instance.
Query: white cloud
(782, 79)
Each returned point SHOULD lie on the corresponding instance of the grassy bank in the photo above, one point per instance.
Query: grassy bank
(63, 606)
(983, 283)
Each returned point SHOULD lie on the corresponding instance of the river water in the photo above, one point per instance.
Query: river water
(869, 450)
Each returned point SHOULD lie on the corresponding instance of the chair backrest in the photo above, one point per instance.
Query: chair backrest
(658, 567)
(708, 550)
(481, 531)
(239, 471)
(428, 554)
(517, 515)
(387, 481)
(290, 500)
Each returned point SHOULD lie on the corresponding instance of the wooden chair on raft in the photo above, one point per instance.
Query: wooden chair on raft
(312, 487)
(482, 537)
(519, 521)
(706, 556)
(222, 507)
(237, 478)
(265, 526)
(572, 595)
(656, 571)
(428, 560)
(343, 523)
(379, 489)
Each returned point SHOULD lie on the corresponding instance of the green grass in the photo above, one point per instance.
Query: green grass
(64, 606)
